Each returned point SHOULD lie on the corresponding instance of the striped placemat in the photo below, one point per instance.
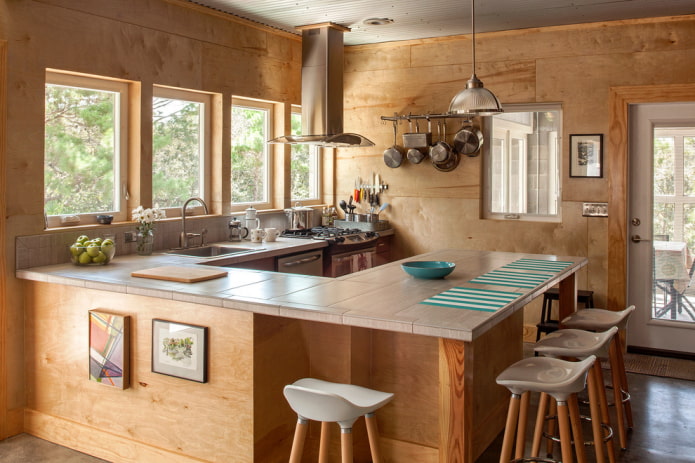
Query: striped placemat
(540, 265)
(484, 300)
(508, 278)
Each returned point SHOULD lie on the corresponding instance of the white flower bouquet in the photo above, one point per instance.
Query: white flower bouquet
(146, 218)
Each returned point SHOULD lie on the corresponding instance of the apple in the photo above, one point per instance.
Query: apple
(99, 258)
(82, 239)
(93, 250)
(85, 258)
(76, 250)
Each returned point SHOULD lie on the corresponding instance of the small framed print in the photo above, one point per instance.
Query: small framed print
(180, 350)
(586, 155)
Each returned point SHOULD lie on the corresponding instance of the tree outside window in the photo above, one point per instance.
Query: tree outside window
(250, 132)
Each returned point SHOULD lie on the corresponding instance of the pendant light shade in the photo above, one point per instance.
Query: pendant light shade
(475, 99)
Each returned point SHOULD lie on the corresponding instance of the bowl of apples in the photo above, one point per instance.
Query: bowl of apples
(96, 251)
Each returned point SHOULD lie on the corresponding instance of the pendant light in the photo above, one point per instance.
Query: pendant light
(475, 100)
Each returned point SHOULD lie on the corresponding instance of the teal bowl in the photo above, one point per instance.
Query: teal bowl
(428, 269)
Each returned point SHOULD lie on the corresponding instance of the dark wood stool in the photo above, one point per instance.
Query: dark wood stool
(548, 324)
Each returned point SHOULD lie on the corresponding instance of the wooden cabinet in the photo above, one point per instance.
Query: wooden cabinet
(383, 250)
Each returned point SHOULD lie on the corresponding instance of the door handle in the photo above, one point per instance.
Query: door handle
(637, 239)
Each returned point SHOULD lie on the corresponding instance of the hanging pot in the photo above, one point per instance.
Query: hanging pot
(420, 142)
(393, 157)
(468, 141)
(441, 152)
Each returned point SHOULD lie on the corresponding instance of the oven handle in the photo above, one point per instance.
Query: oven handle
(306, 260)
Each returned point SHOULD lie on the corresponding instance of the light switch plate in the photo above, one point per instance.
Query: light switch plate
(595, 209)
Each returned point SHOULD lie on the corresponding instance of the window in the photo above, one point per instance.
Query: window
(251, 122)
(522, 163)
(180, 146)
(85, 148)
(304, 170)
(674, 188)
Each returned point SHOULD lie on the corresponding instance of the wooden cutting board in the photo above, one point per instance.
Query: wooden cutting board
(180, 274)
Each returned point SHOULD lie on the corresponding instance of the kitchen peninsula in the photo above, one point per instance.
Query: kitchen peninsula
(267, 330)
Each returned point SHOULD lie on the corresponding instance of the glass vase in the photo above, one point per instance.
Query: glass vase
(145, 242)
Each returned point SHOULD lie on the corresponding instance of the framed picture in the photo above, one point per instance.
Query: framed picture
(109, 349)
(586, 155)
(180, 350)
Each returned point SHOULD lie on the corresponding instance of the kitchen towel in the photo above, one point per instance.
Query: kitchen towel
(484, 300)
(507, 278)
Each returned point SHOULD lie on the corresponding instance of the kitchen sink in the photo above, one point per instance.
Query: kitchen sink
(211, 251)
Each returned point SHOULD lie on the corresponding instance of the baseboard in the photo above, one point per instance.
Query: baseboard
(96, 442)
(660, 352)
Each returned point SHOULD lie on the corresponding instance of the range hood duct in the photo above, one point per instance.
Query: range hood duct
(322, 90)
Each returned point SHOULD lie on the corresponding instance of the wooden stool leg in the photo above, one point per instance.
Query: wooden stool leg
(605, 415)
(540, 424)
(521, 426)
(617, 393)
(510, 428)
(324, 442)
(563, 422)
(346, 445)
(551, 428)
(298, 442)
(576, 422)
(373, 434)
(595, 406)
(623, 380)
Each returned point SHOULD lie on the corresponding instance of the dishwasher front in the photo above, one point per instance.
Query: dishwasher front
(306, 263)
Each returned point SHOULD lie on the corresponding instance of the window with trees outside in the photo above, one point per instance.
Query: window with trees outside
(84, 154)
(305, 166)
(523, 163)
(180, 146)
(674, 184)
(251, 129)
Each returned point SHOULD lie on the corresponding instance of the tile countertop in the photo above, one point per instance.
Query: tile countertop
(383, 297)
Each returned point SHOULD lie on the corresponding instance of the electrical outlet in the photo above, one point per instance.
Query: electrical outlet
(595, 209)
(129, 237)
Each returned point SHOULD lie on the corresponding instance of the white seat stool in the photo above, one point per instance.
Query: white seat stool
(560, 379)
(314, 399)
(602, 320)
(580, 344)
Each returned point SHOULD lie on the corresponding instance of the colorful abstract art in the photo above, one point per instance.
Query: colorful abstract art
(109, 351)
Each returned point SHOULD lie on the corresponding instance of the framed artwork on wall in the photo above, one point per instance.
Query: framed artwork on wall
(109, 349)
(180, 350)
(586, 155)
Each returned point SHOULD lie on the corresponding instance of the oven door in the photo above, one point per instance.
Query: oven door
(351, 262)
(307, 263)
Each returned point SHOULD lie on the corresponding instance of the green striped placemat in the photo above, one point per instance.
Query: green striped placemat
(507, 278)
(540, 265)
(484, 300)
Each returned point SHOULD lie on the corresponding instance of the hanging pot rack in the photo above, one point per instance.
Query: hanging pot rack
(409, 117)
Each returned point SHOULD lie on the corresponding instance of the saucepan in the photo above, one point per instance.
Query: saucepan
(393, 157)
(468, 141)
(441, 151)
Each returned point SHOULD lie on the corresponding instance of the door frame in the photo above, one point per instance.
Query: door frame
(618, 180)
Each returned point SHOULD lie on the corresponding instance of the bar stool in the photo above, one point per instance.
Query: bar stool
(314, 399)
(600, 320)
(547, 323)
(557, 378)
(580, 344)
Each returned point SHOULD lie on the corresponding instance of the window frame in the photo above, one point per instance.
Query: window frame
(269, 171)
(176, 93)
(121, 152)
(315, 153)
(555, 166)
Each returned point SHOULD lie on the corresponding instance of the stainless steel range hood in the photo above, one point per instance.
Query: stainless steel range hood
(322, 90)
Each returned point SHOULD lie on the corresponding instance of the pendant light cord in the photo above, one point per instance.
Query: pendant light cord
(473, 32)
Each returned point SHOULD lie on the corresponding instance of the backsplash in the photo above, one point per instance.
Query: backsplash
(52, 248)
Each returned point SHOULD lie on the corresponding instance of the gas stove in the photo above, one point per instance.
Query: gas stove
(333, 235)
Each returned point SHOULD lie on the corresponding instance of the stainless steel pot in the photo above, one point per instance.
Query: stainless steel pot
(299, 217)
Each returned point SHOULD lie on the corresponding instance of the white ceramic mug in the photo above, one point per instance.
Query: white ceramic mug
(257, 235)
(271, 234)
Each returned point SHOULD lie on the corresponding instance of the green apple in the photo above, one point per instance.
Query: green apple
(99, 258)
(107, 246)
(82, 239)
(93, 250)
(85, 258)
(76, 250)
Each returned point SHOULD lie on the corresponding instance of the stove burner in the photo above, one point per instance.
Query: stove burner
(333, 235)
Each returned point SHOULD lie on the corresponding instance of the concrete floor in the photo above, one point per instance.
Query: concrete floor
(663, 408)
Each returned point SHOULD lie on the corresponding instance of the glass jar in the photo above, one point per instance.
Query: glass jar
(145, 242)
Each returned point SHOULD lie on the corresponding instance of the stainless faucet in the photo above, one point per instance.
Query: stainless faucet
(183, 239)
